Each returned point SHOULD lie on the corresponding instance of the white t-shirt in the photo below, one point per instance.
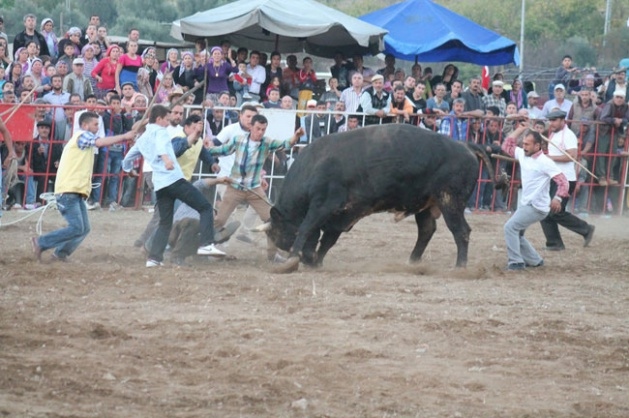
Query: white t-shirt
(565, 140)
(536, 177)
(226, 163)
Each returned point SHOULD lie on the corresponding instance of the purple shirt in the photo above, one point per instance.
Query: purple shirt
(216, 76)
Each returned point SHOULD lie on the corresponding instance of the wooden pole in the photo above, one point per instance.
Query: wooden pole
(569, 156)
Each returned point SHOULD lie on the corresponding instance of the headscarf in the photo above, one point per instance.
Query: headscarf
(182, 68)
(72, 31)
(110, 48)
(85, 48)
(50, 37)
(44, 21)
(147, 51)
(16, 56)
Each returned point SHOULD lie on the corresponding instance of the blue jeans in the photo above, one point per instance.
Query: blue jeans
(113, 181)
(66, 240)
(519, 250)
(187, 193)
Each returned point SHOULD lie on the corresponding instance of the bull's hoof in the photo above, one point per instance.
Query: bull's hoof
(289, 266)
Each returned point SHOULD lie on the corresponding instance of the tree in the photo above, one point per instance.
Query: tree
(190, 7)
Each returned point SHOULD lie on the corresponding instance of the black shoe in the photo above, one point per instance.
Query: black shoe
(138, 243)
(516, 267)
(555, 248)
(540, 264)
(588, 237)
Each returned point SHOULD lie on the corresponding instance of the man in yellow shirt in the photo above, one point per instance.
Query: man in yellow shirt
(73, 186)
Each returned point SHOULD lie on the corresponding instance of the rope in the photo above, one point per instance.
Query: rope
(52, 203)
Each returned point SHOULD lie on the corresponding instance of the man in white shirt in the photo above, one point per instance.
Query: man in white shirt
(537, 170)
(559, 102)
(257, 74)
(563, 141)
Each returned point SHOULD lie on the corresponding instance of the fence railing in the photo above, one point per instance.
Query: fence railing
(602, 149)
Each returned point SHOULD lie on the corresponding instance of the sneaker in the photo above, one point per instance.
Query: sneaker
(612, 182)
(555, 248)
(588, 237)
(153, 263)
(247, 96)
(36, 248)
(210, 250)
(516, 267)
(602, 182)
(138, 243)
(113, 206)
(468, 211)
(225, 233)
(540, 264)
(16, 206)
(93, 206)
(31, 206)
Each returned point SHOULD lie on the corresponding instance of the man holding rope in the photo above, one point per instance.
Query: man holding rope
(73, 186)
(562, 149)
(251, 149)
(537, 170)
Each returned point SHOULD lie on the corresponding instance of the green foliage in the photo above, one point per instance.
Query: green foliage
(190, 7)
(106, 10)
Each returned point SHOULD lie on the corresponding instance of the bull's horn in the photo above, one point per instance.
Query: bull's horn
(262, 228)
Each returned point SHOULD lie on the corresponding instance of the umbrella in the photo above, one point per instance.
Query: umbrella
(425, 31)
(286, 26)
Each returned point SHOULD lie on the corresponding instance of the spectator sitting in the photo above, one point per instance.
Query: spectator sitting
(333, 95)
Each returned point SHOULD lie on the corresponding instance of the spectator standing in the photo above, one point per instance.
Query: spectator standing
(375, 102)
(257, 74)
(495, 98)
(48, 32)
(76, 82)
(532, 99)
(614, 118)
(559, 102)
(217, 71)
(128, 66)
(307, 81)
(351, 95)
(438, 101)
(105, 71)
(30, 34)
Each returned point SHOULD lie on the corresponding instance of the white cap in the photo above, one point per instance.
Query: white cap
(560, 87)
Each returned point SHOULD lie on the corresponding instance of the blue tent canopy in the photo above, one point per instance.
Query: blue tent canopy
(424, 31)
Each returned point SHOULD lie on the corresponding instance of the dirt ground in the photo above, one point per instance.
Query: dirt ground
(367, 335)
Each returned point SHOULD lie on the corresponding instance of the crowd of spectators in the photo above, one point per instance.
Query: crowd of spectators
(61, 76)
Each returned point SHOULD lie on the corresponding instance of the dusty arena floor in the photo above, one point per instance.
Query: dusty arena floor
(367, 335)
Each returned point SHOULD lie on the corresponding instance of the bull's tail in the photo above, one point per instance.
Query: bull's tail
(500, 181)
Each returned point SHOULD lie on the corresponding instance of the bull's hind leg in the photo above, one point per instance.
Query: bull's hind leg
(455, 220)
(426, 227)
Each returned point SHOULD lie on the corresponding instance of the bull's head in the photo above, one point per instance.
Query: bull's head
(281, 231)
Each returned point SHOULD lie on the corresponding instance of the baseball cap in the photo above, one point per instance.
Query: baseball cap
(532, 94)
(78, 61)
(560, 87)
(311, 103)
(497, 83)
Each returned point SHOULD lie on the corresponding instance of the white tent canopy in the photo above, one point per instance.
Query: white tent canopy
(288, 26)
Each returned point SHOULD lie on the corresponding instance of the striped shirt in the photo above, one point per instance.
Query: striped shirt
(249, 157)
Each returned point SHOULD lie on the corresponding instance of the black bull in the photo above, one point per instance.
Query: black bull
(344, 177)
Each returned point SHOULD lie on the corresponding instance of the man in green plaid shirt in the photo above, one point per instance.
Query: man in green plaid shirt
(251, 150)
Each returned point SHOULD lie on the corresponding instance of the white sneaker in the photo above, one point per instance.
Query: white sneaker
(30, 206)
(210, 250)
(93, 206)
(16, 206)
(153, 263)
(247, 96)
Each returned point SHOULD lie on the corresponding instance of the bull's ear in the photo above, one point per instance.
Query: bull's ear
(276, 215)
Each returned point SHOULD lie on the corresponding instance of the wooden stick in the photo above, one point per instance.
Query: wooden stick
(569, 156)
(187, 94)
(503, 157)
